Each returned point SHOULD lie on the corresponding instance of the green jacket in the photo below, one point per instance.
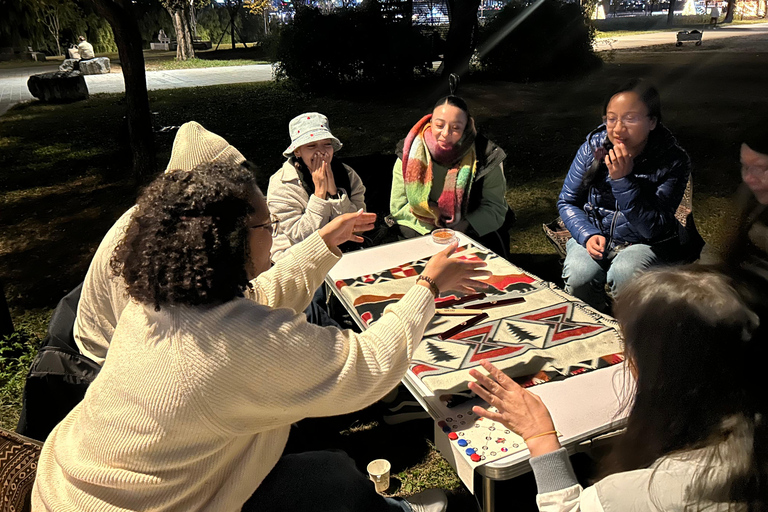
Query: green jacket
(487, 203)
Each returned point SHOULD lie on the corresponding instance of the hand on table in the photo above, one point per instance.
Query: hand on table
(343, 228)
(454, 273)
(519, 410)
(619, 162)
(596, 246)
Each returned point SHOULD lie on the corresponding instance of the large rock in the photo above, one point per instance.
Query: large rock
(97, 66)
(58, 86)
(68, 65)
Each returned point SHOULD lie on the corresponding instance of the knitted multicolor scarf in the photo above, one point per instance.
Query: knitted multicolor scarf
(419, 150)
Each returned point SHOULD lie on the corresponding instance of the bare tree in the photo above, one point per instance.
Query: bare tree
(729, 11)
(53, 14)
(181, 14)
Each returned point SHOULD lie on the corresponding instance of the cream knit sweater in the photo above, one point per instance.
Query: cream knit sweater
(103, 298)
(193, 405)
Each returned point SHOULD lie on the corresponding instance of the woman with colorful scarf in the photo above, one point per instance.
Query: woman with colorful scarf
(449, 176)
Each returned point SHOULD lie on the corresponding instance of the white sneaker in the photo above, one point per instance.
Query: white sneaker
(431, 500)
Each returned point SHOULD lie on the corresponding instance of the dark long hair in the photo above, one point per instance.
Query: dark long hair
(454, 101)
(692, 334)
(649, 95)
(187, 243)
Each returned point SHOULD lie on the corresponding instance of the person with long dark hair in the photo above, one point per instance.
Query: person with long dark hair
(212, 361)
(619, 198)
(313, 186)
(449, 176)
(696, 435)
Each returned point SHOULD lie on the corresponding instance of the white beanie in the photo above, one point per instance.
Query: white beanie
(194, 145)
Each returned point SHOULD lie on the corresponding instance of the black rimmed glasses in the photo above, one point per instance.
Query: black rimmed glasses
(627, 120)
(271, 225)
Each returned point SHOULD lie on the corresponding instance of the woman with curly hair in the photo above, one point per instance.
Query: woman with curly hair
(620, 196)
(192, 408)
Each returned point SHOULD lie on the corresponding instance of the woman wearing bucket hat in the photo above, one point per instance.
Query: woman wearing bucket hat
(312, 187)
(449, 176)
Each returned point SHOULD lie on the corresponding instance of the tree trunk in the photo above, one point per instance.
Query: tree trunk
(184, 49)
(729, 11)
(120, 16)
(232, 18)
(462, 35)
(186, 27)
(671, 13)
(606, 6)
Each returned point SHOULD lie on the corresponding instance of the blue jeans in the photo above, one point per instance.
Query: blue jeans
(585, 278)
(321, 481)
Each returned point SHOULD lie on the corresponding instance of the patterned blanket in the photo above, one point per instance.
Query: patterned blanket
(548, 335)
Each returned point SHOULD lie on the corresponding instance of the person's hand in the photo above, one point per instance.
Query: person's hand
(319, 175)
(454, 273)
(343, 228)
(461, 226)
(428, 220)
(596, 246)
(330, 183)
(519, 410)
(619, 162)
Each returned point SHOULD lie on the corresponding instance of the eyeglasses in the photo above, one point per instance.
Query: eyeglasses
(271, 225)
(627, 120)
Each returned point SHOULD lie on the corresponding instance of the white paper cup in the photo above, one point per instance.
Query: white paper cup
(378, 473)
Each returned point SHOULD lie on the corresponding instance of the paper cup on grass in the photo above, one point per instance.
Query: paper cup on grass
(378, 473)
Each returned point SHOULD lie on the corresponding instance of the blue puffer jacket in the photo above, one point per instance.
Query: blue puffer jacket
(638, 208)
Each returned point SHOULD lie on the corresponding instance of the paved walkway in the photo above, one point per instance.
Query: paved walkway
(657, 38)
(13, 82)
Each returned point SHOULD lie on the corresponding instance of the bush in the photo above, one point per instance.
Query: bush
(554, 41)
(349, 45)
(16, 353)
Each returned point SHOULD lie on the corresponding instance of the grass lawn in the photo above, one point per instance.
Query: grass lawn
(65, 178)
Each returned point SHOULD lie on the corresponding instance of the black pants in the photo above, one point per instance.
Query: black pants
(321, 481)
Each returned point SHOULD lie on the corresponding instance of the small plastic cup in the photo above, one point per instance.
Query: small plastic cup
(378, 473)
(443, 236)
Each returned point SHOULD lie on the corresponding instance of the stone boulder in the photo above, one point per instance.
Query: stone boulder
(97, 66)
(68, 65)
(58, 86)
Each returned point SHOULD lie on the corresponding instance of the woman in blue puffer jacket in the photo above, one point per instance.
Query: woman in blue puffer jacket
(620, 196)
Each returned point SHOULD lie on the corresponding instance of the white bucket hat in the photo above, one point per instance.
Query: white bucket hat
(308, 127)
